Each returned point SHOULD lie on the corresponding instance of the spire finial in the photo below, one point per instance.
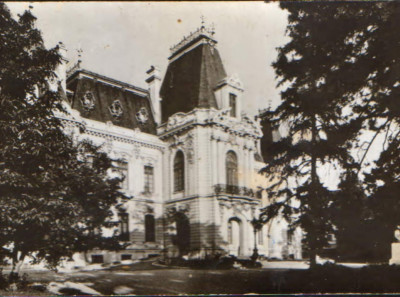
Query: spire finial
(79, 51)
(202, 21)
(212, 29)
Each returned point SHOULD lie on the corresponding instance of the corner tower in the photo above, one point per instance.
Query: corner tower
(195, 69)
(210, 164)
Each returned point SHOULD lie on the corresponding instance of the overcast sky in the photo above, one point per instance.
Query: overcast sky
(123, 39)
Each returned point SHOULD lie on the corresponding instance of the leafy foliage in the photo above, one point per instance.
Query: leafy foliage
(53, 201)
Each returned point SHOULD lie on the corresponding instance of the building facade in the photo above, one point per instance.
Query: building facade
(189, 154)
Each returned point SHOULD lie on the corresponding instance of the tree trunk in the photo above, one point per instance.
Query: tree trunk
(313, 248)
(17, 265)
(313, 258)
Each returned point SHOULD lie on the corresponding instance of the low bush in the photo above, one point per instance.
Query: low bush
(3, 281)
(13, 281)
(249, 263)
(218, 262)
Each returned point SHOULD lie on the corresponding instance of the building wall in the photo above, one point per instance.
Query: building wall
(138, 150)
(205, 144)
(219, 220)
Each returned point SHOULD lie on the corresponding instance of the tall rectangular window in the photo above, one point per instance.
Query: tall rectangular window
(179, 172)
(121, 168)
(232, 104)
(148, 179)
(124, 226)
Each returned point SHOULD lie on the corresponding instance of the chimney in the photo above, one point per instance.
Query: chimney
(154, 84)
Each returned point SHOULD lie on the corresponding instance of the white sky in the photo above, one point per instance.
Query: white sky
(123, 39)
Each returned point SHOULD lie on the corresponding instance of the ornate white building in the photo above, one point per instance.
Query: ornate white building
(190, 157)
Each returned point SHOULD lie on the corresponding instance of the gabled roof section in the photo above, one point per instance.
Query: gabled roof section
(104, 99)
(195, 68)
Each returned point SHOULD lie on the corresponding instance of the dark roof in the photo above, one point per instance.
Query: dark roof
(106, 78)
(105, 91)
(190, 80)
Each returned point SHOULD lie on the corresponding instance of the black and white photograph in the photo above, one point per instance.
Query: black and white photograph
(199, 148)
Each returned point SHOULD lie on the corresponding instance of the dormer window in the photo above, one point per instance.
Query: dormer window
(232, 104)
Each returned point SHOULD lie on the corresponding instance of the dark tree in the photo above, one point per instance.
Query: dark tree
(53, 201)
(357, 233)
(381, 106)
(384, 185)
(322, 69)
(375, 93)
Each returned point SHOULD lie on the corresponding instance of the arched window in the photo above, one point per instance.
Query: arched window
(231, 169)
(150, 228)
(179, 172)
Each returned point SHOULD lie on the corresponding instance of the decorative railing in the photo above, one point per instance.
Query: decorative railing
(192, 36)
(75, 67)
(235, 190)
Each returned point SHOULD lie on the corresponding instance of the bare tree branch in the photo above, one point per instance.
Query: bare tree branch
(370, 144)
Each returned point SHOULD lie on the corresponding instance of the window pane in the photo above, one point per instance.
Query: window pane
(148, 179)
(124, 226)
(179, 172)
(232, 104)
(231, 169)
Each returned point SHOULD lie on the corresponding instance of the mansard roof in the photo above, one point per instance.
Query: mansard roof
(104, 99)
(195, 69)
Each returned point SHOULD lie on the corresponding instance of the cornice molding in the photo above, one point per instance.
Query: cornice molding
(210, 117)
(109, 135)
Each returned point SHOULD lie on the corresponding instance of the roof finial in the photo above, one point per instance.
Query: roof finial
(80, 51)
(212, 29)
(202, 21)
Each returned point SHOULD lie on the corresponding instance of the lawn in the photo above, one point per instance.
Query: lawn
(325, 279)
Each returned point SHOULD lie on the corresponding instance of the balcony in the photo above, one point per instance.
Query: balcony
(235, 191)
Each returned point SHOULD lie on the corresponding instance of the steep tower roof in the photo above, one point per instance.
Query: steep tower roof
(195, 68)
